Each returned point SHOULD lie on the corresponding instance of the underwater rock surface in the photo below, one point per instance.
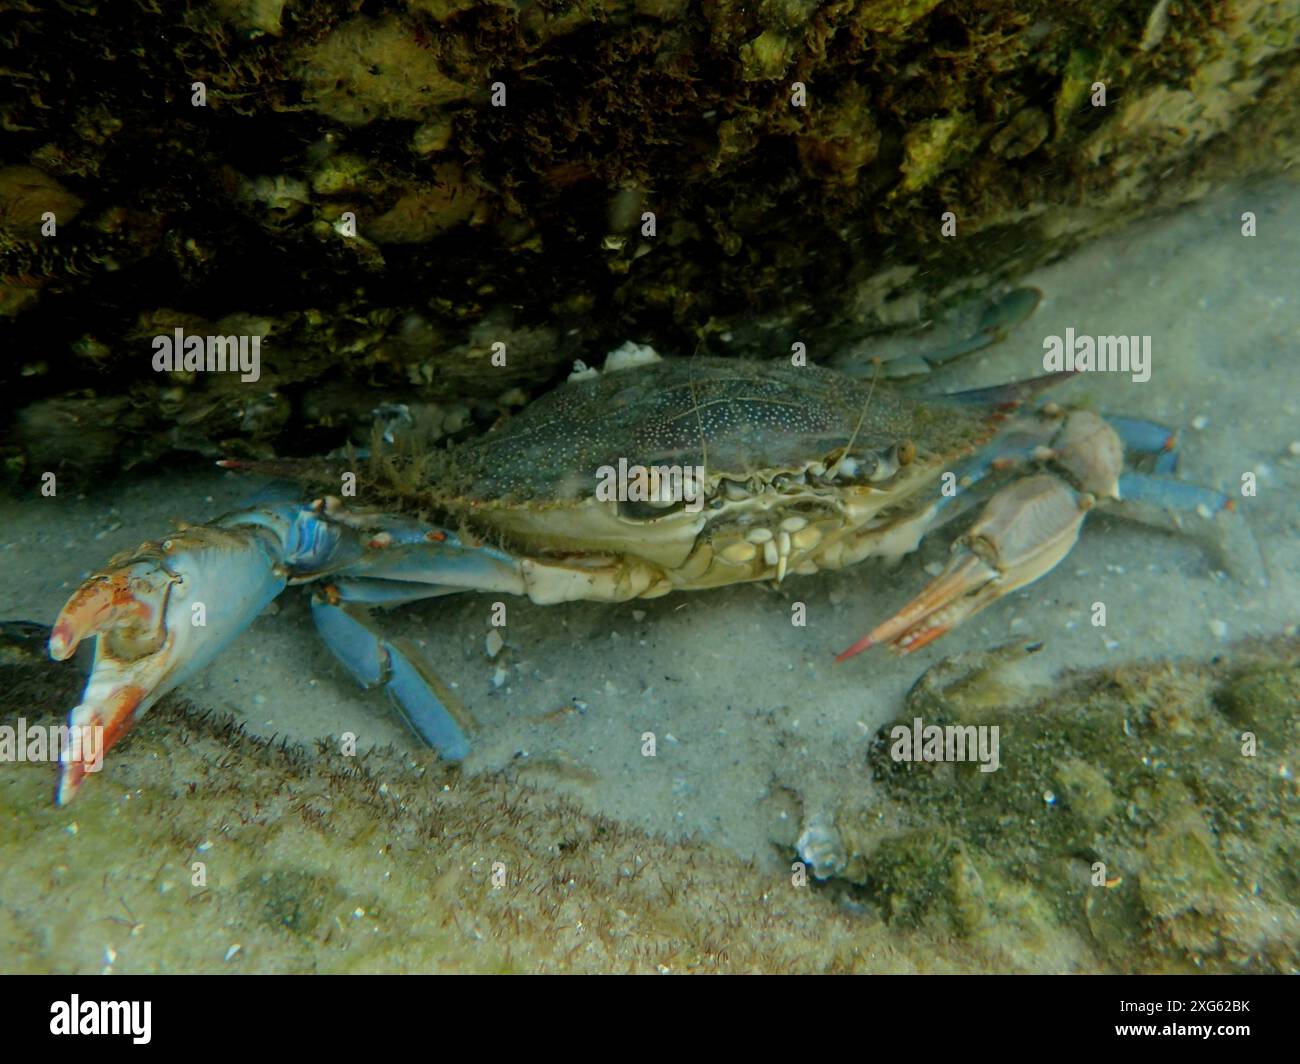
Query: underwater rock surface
(558, 178)
(200, 848)
(1152, 809)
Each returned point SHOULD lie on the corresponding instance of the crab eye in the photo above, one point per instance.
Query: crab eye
(871, 466)
(857, 467)
(885, 466)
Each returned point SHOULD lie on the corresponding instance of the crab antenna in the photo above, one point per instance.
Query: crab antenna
(834, 470)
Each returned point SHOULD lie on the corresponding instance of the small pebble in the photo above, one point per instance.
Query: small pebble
(1200, 422)
(1293, 448)
(494, 643)
(1219, 628)
(233, 950)
(638, 615)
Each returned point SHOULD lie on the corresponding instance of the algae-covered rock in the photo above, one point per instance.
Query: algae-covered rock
(1129, 810)
(1264, 697)
(706, 177)
(917, 871)
(1085, 791)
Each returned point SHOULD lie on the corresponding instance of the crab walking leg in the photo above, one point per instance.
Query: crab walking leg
(421, 563)
(1079, 443)
(1173, 496)
(1209, 516)
(1148, 438)
(158, 615)
(427, 704)
(410, 564)
(995, 323)
(1024, 531)
(998, 319)
(1005, 453)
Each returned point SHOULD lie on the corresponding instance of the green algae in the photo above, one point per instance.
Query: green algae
(1130, 810)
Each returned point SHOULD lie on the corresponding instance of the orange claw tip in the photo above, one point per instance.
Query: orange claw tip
(119, 715)
(63, 641)
(83, 614)
(72, 770)
(70, 777)
(865, 643)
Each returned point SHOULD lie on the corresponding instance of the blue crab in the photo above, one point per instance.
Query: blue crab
(797, 469)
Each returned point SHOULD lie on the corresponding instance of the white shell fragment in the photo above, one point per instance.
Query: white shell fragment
(821, 848)
(630, 355)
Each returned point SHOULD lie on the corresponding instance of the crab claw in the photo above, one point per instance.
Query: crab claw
(126, 597)
(1024, 531)
(158, 614)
